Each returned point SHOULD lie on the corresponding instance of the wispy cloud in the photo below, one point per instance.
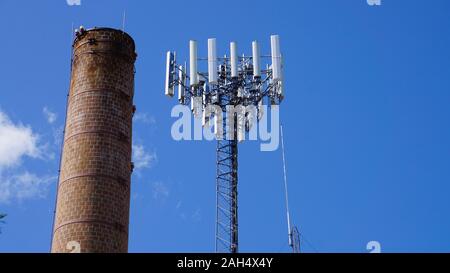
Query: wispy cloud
(73, 2)
(160, 191)
(49, 115)
(143, 159)
(24, 186)
(196, 216)
(193, 216)
(144, 118)
(58, 134)
(178, 206)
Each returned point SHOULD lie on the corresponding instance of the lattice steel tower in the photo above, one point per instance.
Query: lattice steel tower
(230, 96)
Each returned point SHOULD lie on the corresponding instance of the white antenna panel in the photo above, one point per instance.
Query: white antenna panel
(206, 118)
(250, 120)
(218, 126)
(234, 59)
(240, 126)
(256, 60)
(193, 62)
(182, 84)
(260, 110)
(170, 65)
(276, 58)
(280, 89)
(240, 92)
(196, 106)
(241, 135)
(212, 60)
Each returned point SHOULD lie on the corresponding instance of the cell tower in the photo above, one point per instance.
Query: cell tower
(232, 81)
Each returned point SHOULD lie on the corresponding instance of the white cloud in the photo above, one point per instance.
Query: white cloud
(183, 216)
(58, 134)
(24, 186)
(141, 158)
(144, 118)
(196, 216)
(49, 115)
(73, 2)
(16, 141)
(160, 191)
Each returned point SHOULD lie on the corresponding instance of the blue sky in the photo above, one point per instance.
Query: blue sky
(366, 121)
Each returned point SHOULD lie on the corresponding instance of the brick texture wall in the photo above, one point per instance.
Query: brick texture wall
(94, 185)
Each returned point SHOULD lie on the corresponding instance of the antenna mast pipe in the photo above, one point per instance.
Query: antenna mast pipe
(286, 188)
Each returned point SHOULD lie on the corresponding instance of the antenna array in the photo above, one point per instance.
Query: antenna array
(229, 81)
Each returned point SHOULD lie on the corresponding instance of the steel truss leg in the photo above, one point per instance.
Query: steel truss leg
(226, 195)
